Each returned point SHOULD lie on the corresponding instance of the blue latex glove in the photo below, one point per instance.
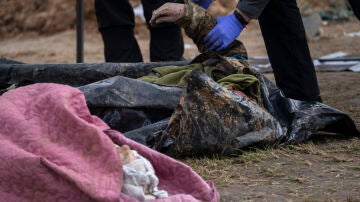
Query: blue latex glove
(225, 31)
(203, 3)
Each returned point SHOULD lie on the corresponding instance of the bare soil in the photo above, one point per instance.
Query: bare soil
(323, 169)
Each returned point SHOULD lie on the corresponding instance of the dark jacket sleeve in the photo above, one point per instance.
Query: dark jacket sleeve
(252, 8)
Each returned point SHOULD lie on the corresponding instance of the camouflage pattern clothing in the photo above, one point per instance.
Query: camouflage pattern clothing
(210, 118)
(213, 120)
(231, 73)
(229, 66)
(197, 22)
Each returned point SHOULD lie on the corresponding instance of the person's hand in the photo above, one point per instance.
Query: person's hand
(203, 3)
(225, 31)
(169, 12)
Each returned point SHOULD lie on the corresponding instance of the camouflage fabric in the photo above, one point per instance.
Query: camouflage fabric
(211, 119)
(197, 22)
(238, 74)
(226, 64)
(231, 73)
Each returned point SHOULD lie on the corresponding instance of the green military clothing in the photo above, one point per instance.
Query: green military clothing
(229, 72)
(243, 79)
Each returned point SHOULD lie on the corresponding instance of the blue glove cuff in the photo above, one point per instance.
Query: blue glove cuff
(238, 57)
(203, 3)
(236, 22)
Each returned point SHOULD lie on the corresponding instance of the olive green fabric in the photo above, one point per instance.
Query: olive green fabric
(175, 76)
(246, 83)
(171, 75)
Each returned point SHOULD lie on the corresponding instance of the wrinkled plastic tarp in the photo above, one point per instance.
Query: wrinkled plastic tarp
(7, 61)
(72, 74)
(127, 104)
(123, 103)
(141, 110)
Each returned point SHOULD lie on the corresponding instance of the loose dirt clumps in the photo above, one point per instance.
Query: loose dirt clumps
(40, 16)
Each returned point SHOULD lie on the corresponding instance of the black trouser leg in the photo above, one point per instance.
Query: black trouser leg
(355, 5)
(284, 35)
(166, 42)
(116, 25)
(120, 45)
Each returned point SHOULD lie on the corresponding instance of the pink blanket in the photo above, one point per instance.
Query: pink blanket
(53, 149)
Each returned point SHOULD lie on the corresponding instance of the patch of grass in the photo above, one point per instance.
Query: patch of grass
(307, 148)
(256, 155)
(338, 146)
(308, 198)
(267, 172)
(354, 167)
(219, 170)
(337, 159)
(271, 172)
(352, 199)
(227, 170)
(296, 179)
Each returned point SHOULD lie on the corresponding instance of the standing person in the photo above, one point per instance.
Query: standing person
(285, 40)
(355, 5)
(116, 24)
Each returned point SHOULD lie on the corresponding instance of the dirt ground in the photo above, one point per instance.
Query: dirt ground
(324, 169)
(29, 47)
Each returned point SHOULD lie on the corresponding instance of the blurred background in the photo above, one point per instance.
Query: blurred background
(43, 31)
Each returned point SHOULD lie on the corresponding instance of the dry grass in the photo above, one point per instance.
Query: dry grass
(294, 169)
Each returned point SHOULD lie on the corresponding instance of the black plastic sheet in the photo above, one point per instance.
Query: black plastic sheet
(142, 110)
(304, 119)
(7, 61)
(126, 104)
(72, 74)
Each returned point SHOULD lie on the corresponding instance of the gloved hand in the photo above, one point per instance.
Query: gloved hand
(225, 31)
(203, 3)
